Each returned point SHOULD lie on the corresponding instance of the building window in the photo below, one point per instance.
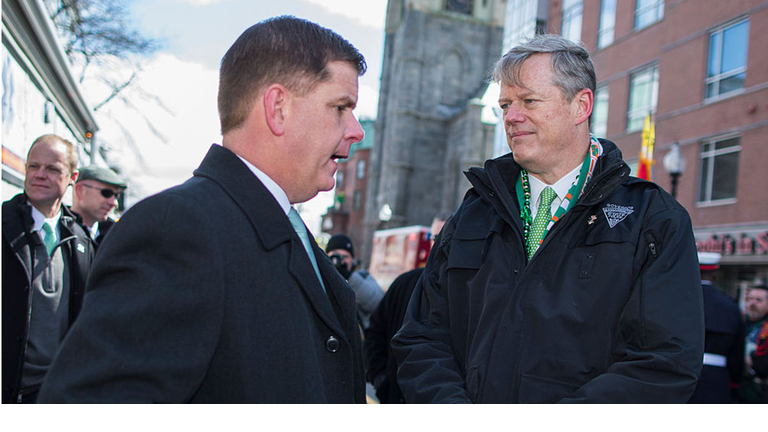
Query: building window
(727, 59)
(643, 96)
(339, 179)
(599, 124)
(607, 23)
(522, 21)
(648, 12)
(356, 200)
(360, 169)
(719, 170)
(453, 75)
(463, 6)
(571, 28)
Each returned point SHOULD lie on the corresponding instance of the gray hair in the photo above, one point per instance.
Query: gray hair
(572, 67)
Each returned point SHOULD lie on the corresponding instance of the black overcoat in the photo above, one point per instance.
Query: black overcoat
(19, 245)
(204, 293)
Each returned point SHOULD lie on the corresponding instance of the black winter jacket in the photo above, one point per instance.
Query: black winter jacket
(380, 362)
(18, 256)
(609, 309)
(104, 228)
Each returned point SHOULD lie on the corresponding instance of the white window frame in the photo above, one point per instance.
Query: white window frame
(601, 93)
(719, 77)
(360, 169)
(712, 154)
(657, 5)
(572, 14)
(640, 112)
(607, 27)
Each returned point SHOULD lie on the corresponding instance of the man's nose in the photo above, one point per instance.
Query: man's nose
(514, 115)
(355, 132)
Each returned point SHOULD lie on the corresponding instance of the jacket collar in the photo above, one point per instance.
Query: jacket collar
(18, 224)
(225, 169)
(495, 182)
(273, 228)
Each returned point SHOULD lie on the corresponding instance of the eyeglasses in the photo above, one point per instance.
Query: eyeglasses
(106, 193)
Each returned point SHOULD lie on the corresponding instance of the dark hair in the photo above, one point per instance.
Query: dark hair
(572, 67)
(287, 50)
(71, 149)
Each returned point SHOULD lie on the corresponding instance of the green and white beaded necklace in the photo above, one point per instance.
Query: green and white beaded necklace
(523, 190)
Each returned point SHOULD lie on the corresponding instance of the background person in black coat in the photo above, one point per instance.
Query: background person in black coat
(214, 291)
(368, 293)
(723, 339)
(42, 290)
(380, 362)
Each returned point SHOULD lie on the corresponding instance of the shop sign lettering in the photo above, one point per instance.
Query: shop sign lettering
(738, 244)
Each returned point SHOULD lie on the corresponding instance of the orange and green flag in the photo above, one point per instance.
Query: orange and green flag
(645, 165)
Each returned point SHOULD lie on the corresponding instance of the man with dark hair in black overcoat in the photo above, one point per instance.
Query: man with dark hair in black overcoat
(214, 291)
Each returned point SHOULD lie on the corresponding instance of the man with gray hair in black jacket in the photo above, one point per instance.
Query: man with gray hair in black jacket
(560, 278)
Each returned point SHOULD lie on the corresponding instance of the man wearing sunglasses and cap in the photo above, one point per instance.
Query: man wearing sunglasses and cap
(97, 192)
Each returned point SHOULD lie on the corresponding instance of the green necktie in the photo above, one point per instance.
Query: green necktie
(49, 239)
(301, 230)
(539, 225)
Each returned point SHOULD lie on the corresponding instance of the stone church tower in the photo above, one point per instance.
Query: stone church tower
(437, 58)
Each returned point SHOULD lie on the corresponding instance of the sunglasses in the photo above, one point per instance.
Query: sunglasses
(106, 193)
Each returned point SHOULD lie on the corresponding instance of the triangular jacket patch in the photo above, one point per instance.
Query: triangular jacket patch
(616, 213)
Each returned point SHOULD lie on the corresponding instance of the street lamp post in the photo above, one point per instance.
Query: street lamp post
(385, 214)
(674, 163)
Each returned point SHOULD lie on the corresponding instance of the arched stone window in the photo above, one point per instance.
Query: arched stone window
(453, 74)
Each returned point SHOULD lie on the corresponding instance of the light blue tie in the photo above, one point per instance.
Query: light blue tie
(301, 230)
(49, 239)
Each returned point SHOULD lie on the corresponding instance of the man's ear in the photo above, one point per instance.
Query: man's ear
(78, 190)
(275, 101)
(583, 103)
(73, 177)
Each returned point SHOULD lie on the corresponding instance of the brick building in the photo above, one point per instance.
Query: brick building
(345, 216)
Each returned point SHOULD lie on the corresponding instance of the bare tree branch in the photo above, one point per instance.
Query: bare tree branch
(99, 33)
(115, 91)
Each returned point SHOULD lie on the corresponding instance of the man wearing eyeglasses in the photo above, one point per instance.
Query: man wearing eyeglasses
(46, 258)
(97, 192)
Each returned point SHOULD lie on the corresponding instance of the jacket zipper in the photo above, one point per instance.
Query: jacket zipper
(651, 244)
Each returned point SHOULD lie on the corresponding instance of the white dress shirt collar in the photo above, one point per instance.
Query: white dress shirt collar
(39, 219)
(94, 230)
(561, 188)
(272, 187)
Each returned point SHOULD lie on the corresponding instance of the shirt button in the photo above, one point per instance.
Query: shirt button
(332, 344)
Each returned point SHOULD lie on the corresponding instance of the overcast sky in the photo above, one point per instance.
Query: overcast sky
(184, 76)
